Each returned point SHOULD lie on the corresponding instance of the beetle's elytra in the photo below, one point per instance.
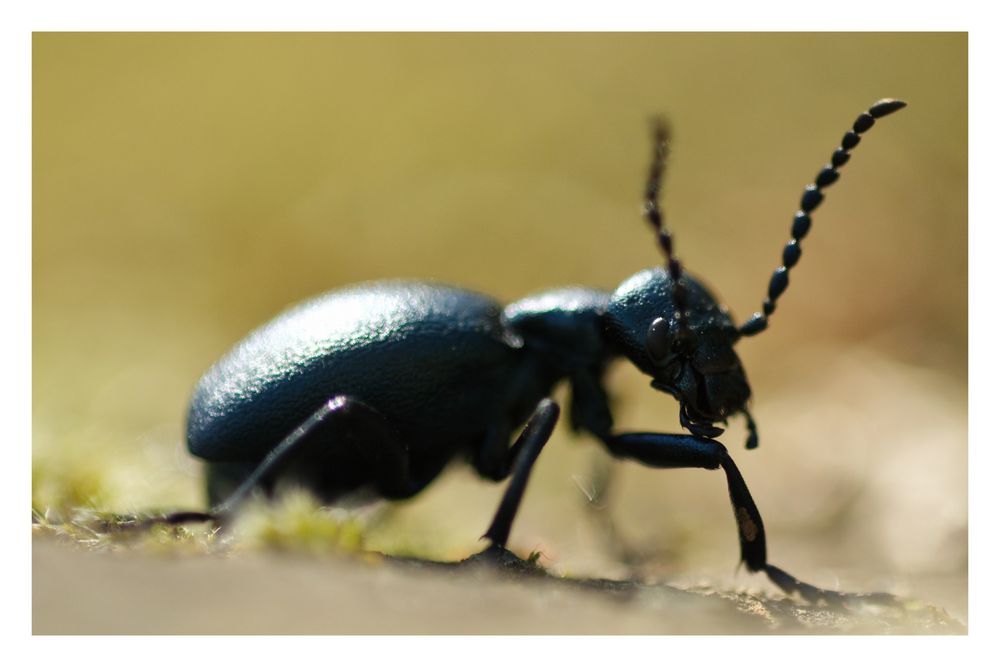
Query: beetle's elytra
(381, 385)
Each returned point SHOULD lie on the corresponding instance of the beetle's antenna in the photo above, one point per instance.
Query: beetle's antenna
(651, 209)
(812, 198)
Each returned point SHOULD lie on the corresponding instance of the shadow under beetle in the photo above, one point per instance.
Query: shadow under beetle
(381, 385)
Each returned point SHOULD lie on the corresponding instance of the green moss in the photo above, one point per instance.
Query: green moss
(296, 522)
(60, 488)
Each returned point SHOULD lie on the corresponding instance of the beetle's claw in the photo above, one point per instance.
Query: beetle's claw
(502, 560)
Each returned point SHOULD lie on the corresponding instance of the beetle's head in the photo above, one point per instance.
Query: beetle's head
(690, 358)
(672, 328)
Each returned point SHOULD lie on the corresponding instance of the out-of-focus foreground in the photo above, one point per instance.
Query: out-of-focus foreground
(188, 187)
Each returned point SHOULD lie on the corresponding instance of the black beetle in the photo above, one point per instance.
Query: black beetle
(383, 384)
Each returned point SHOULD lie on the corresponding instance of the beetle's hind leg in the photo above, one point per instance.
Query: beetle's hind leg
(343, 444)
(342, 431)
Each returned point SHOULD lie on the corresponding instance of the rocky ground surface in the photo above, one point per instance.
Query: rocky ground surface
(77, 591)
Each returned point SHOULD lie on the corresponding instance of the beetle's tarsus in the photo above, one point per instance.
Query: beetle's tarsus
(177, 518)
(792, 585)
(136, 524)
(813, 594)
(503, 560)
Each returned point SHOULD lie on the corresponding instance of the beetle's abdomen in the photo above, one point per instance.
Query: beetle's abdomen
(421, 354)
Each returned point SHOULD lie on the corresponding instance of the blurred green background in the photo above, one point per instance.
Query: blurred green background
(189, 186)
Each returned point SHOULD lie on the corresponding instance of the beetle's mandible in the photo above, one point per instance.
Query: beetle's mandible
(383, 384)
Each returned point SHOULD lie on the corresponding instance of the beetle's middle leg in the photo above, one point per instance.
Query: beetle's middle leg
(522, 456)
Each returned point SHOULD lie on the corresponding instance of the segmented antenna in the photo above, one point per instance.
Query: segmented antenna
(651, 209)
(812, 198)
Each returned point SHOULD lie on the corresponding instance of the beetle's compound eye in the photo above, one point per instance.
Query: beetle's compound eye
(658, 341)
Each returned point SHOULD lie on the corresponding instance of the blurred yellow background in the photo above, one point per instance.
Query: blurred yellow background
(189, 186)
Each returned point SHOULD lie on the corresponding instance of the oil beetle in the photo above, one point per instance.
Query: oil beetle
(381, 385)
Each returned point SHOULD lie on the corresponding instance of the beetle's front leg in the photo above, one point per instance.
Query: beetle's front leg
(670, 450)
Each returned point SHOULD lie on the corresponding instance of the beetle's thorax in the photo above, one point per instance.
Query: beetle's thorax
(564, 327)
